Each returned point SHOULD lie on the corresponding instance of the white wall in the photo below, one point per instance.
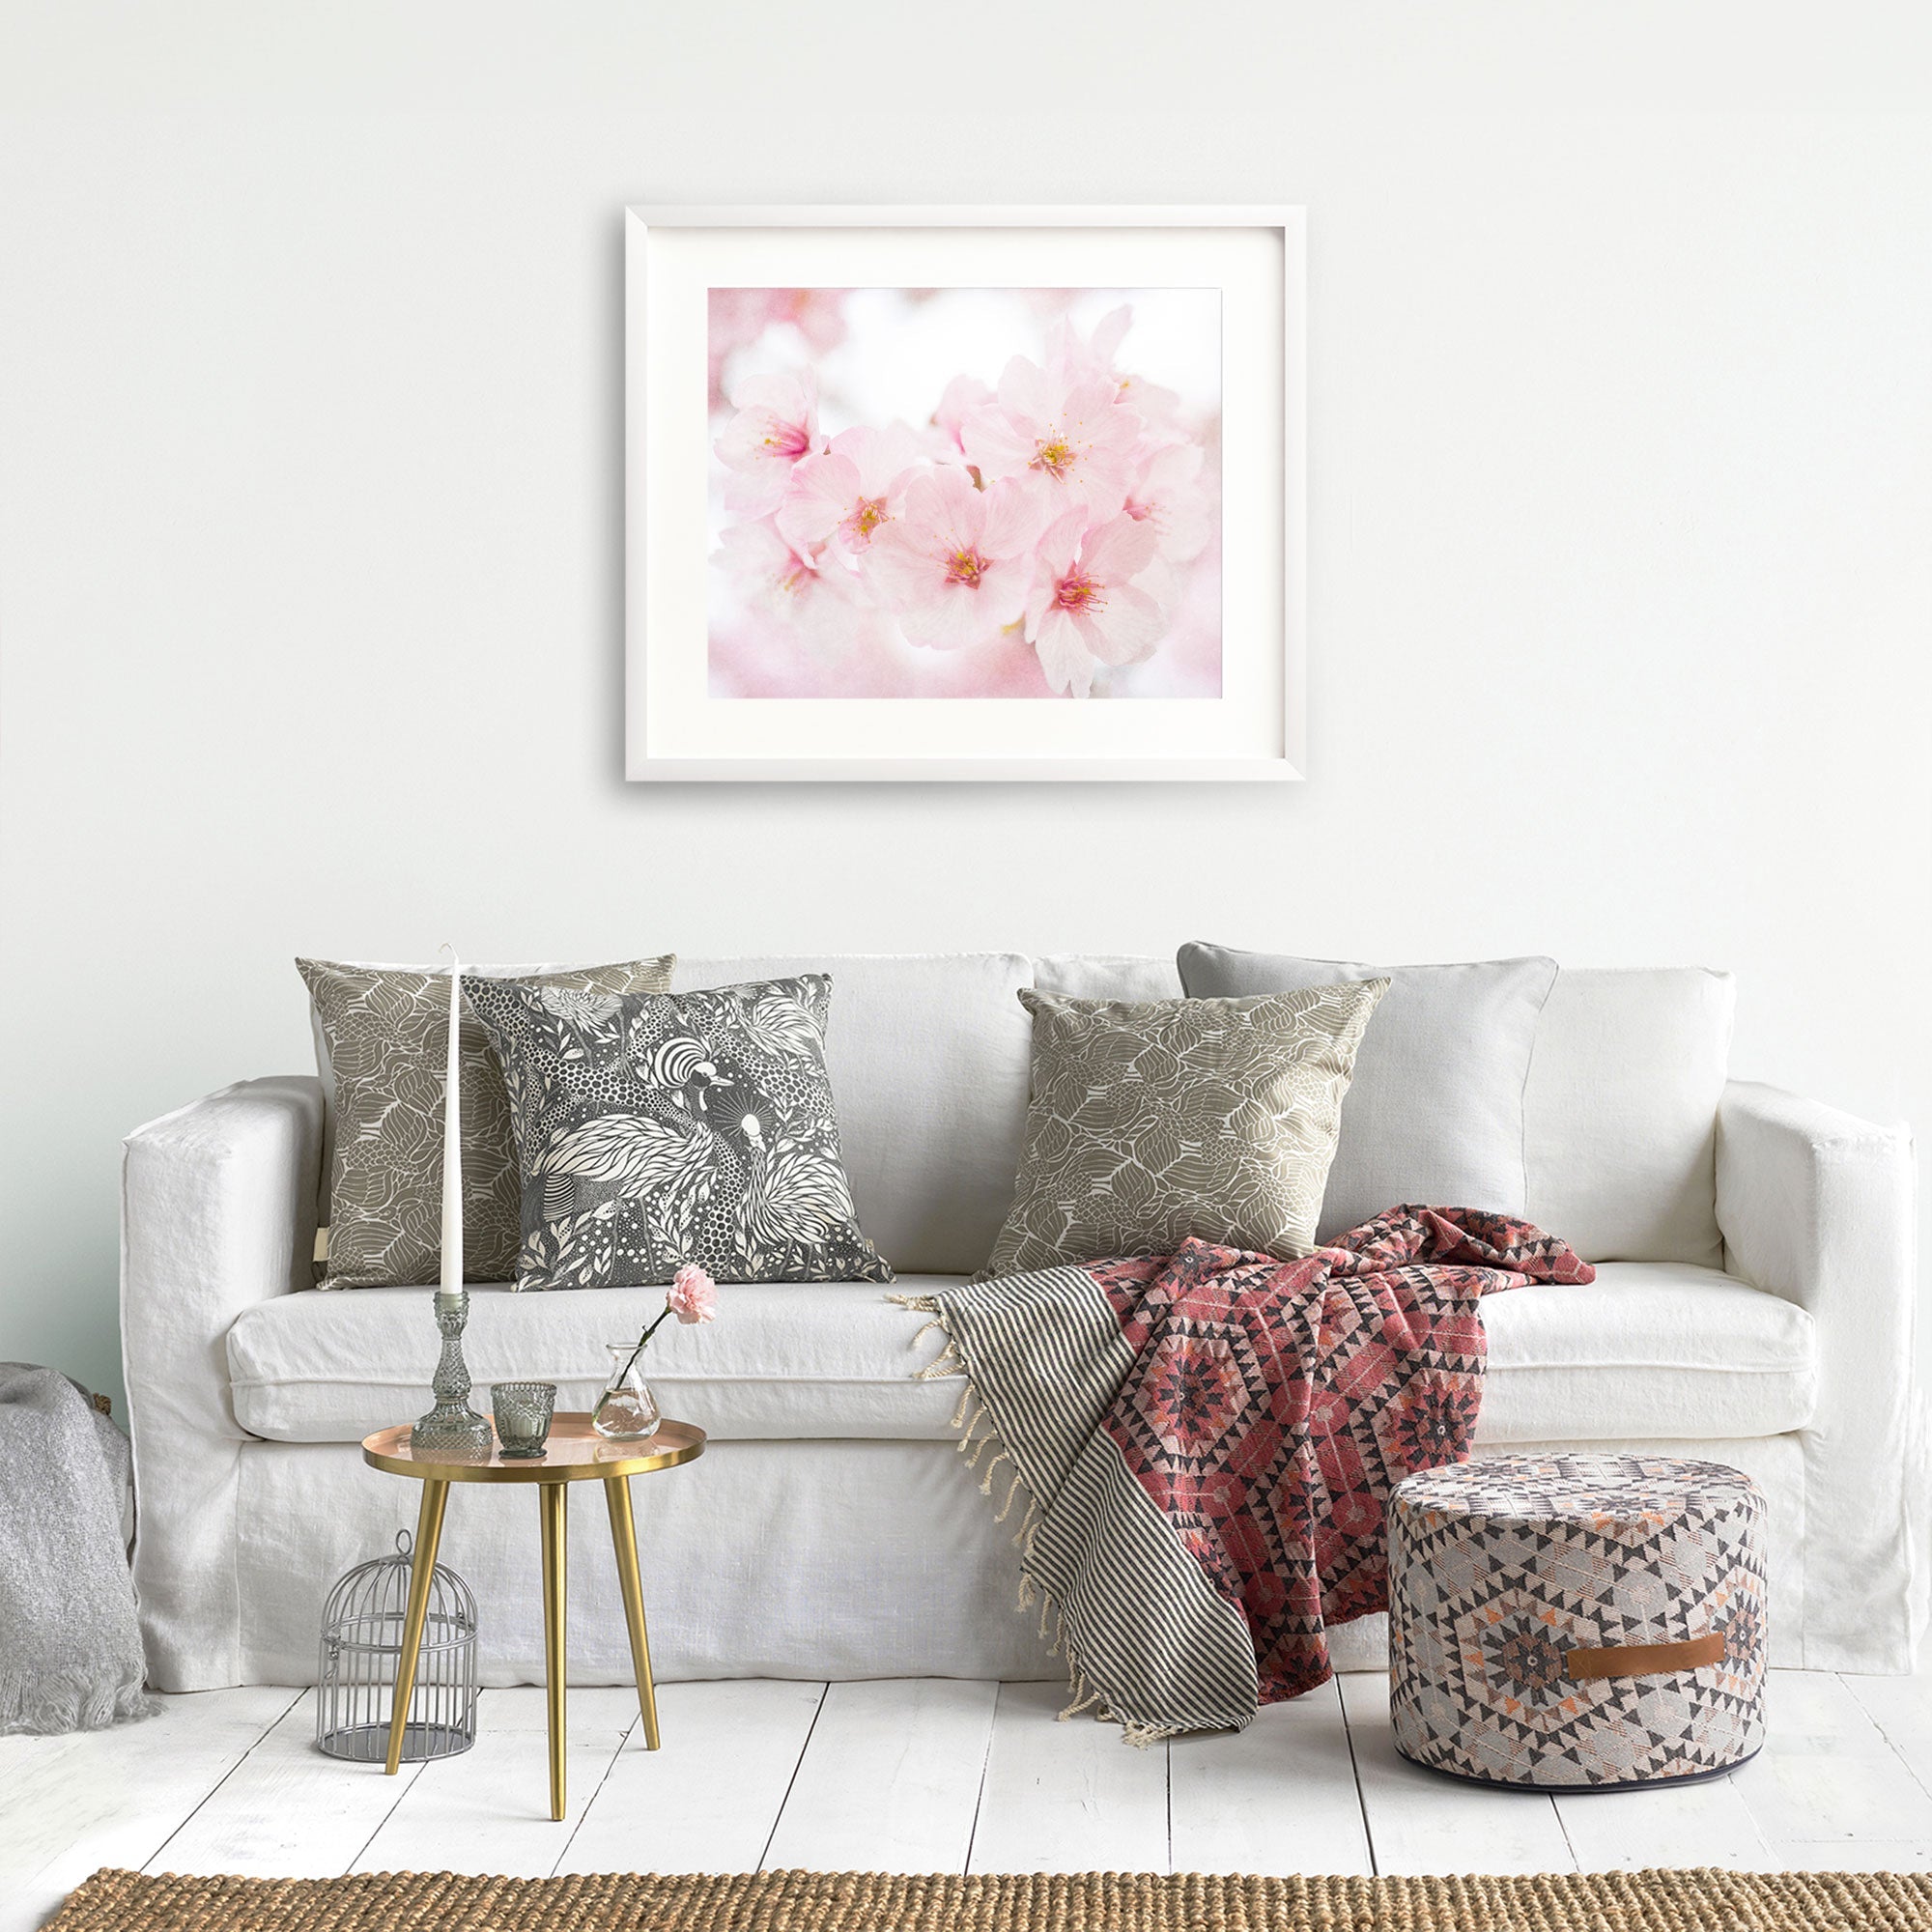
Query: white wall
(311, 484)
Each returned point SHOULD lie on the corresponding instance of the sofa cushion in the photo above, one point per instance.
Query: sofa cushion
(1649, 1351)
(1620, 1113)
(1106, 976)
(928, 1054)
(1154, 1121)
(655, 1129)
(381, 1046)
(782, 1359)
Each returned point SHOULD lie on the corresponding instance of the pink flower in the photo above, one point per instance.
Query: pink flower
(1070, 360)
(775, 425)
(1167, 493)
(845, 496)
(693, 1295)
(820, 604)
(1070, 442)
(1084, 609)
(963, 395)
(954, 567)
(738, 317)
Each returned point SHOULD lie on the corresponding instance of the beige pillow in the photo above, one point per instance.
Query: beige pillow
(385, 1032)
(1148, 1122)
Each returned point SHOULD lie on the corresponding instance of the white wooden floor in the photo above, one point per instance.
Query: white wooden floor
(926, 1774)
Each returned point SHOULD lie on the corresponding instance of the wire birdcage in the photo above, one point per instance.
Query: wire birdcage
(362, 1642)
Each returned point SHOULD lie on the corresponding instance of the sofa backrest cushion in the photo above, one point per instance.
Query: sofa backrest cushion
(1434, 1113)
(1620, 1113)
(1106, 976)
(928, 1055)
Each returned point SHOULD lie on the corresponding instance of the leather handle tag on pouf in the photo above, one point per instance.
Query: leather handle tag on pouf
(1645, 1659)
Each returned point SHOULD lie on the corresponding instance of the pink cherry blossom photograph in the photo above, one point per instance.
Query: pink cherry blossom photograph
(964, 492)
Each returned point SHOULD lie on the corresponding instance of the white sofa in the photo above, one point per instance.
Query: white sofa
(1754, 1305)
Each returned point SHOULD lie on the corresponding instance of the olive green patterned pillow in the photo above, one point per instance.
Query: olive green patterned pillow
(1150, 1123)
(386, 1033)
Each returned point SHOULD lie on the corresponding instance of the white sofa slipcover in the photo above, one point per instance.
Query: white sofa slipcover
(831, 1530)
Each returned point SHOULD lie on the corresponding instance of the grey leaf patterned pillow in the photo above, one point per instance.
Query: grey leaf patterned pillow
(386, 1034)
(656, 1130)
(1152, 1121)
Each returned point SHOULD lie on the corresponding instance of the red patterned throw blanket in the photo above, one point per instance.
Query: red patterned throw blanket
(1206, 1444)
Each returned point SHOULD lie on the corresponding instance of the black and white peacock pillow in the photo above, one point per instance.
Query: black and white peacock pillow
(658, 1128)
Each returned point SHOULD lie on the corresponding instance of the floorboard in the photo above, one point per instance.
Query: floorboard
(286, 1810)
(116, 1796)
(1278, 1798)
(1420, 1821)
(708, 1799)
(1707, 1824)
(489, 1809)
(891, 1779)
(1827, 1772)
(928, 1775)
(1068, 1796)
(1900, 1709)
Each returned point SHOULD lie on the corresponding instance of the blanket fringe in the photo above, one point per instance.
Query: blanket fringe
(1006, 1509)
(946, 1363)
(1084, 1694)
(1023, 1536)
(979, 1430)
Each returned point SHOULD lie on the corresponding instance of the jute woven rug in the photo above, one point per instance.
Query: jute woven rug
(1653, 1901)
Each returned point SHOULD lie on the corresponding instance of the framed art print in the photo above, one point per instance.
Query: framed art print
(964, 492)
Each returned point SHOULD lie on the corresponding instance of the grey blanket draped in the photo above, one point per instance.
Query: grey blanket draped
(70, 1655)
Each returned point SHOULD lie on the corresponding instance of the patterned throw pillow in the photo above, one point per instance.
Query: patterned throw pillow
(687, 1128)
(386, 1034)
(1150, 1123)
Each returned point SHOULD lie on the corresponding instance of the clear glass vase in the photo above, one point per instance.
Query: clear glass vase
(626, 1411)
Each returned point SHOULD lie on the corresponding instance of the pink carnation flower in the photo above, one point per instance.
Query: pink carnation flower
(1070, 442)
(954, 567)
(1084, 609)
(693, 1295)
(845, 496)
(775, 425)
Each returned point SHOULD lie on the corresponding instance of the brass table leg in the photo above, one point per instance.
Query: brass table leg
(422, 1569)
(624, 1535)
(554, 1502)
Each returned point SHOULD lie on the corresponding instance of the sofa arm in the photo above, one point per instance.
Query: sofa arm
(1818, 1206)
(218, 1211)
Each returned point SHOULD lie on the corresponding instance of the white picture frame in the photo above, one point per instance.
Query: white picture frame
(676, 730)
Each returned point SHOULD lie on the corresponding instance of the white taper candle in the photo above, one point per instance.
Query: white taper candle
(452, 1139)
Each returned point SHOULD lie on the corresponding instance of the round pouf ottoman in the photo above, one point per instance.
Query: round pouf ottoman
(1582, 1622)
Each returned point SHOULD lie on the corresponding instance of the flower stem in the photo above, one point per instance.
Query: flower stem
(650, 1330)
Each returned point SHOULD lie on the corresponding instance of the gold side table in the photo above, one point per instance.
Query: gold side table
(574, 1454)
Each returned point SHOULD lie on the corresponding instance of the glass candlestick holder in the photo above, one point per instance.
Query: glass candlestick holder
(452, 1432)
